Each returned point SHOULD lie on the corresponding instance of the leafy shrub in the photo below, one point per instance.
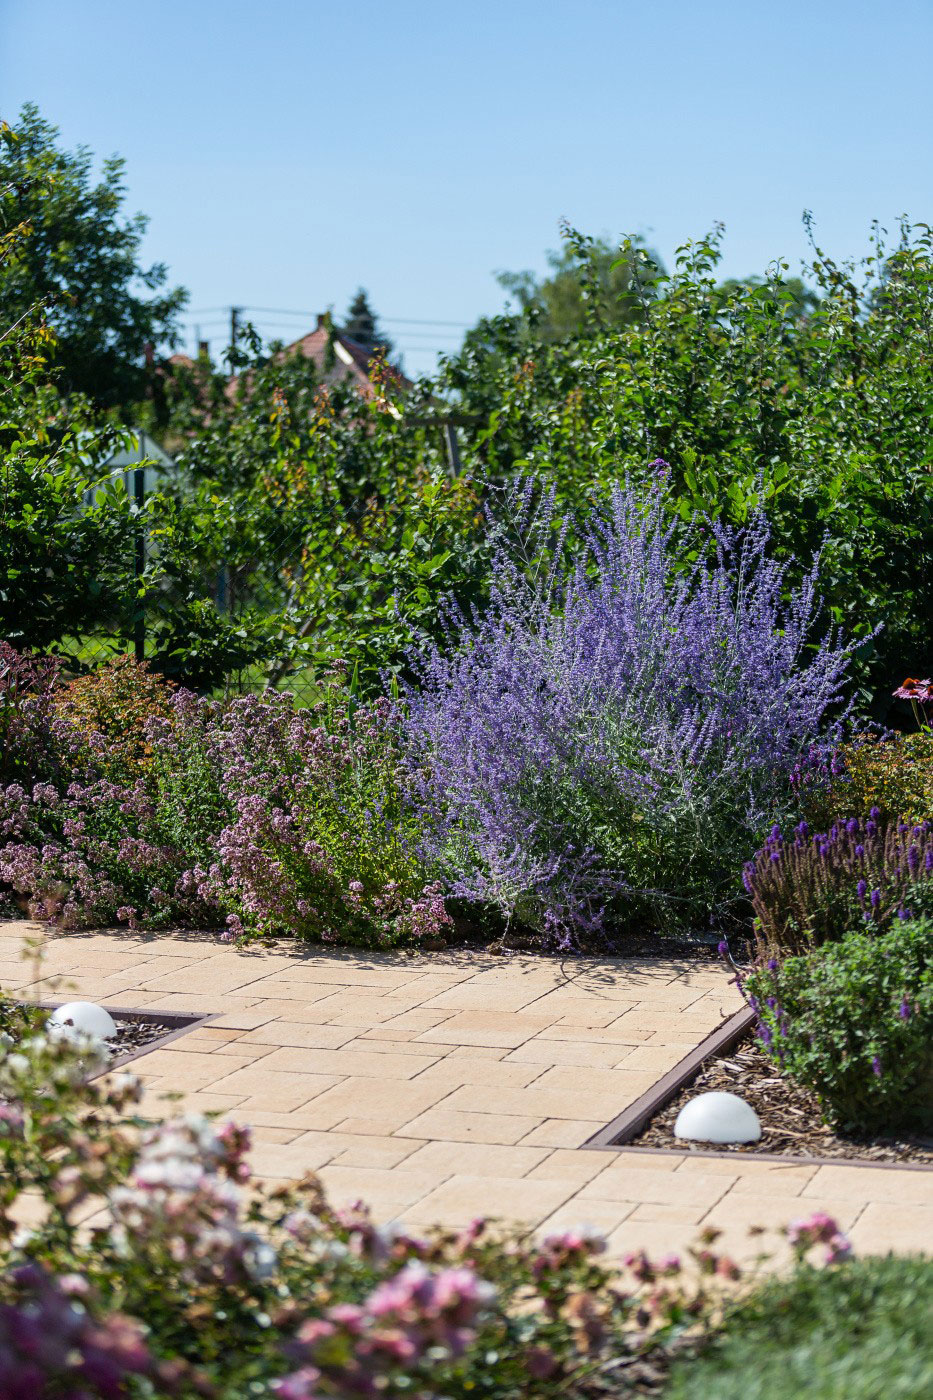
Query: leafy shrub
(891, 772)
(812, 402)
(272, 1292)
(814, 887)
(111, 708)
(859, 1332)
(26, 714)
(853, 1021)
(273, 819)
(594, 748)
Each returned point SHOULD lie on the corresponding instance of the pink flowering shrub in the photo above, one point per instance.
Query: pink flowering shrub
(191, 1280)
(250, 813)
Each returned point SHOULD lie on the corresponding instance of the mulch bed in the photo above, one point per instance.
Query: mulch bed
(133, 1036)
(791, 1125)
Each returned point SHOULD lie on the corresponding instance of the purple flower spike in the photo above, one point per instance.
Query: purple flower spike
(852, 825)
(904, 1010)
(875, 813)
(876, 1066)
(861, 889)
(875, 898)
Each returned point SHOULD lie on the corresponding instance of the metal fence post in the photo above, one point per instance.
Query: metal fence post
(139, 563)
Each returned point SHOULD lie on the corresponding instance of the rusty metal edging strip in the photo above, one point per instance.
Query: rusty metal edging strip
(617, 1136)
(629, 1123)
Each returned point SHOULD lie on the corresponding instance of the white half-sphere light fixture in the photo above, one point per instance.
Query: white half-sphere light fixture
(81, 1019)
(717, 1117)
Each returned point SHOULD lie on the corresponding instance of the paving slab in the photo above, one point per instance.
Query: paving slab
(442, 1086)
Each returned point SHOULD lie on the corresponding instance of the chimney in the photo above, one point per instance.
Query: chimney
(321, 318)
(204, 350)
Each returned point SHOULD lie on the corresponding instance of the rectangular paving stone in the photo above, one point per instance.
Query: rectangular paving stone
(365, 1098)
(775, 1212)
(872, 1184)
(373, 1150)
(299, 1033)
(289, 1161)
(360, 1063)
(562, 1132)
(514, 1200)
(476, 1159)
(277, 1091)
(624, 1083)
(594, 1215)
(455, 1070)
(882, 1227)
(542, 1103)
(640, 1185)
(564, 1164)
(344, 1184)
(452, 1125)
(585, 1053)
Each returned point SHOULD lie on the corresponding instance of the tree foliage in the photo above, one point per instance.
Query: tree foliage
(755, 392)
(79, 259)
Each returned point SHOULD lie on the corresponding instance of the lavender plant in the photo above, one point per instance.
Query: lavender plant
(812, 888)
(596, 748)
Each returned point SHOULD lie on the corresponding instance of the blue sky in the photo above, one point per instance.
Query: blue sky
(288, 151)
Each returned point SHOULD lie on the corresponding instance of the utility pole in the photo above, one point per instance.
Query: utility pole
(234, 333)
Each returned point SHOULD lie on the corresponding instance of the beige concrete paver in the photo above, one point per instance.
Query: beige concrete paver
(510, 1199)
(444, 1086)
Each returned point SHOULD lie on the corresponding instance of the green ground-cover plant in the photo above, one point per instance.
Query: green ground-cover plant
(856, 1333)
(272, 1293)
(853, 1021)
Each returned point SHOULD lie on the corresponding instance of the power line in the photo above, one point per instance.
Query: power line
(286, 311)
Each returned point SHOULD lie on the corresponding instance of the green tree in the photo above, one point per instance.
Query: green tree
(590, 289)
(79, 260)
(362, 325)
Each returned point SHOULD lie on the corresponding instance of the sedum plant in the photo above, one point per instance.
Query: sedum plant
(594, 749)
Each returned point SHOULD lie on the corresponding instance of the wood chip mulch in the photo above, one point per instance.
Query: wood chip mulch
(135, 1035)
(791, 1124)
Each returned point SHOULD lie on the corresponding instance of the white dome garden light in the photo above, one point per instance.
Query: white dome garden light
(717, 1117)
(81, 1020)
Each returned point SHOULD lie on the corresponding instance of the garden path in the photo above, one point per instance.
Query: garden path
(445, 1086)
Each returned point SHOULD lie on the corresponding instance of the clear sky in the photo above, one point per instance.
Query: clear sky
(287, 151)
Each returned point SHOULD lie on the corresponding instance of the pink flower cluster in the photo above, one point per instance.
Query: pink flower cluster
(51, 1344)
(398, 1323)
(183, 1194)
(820, 1228)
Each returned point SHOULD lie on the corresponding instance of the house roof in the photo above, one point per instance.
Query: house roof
(349, 360)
